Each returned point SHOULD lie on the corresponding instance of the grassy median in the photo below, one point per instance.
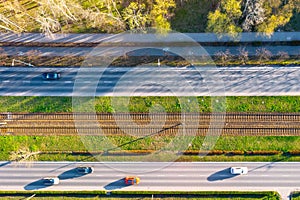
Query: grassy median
(143, 104)
(146, 195)
(10, 143)
(230, 148)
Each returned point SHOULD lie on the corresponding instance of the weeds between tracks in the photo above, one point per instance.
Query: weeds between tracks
(234, 124)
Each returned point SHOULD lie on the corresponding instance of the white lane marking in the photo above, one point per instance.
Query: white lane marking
(6, 81)
(26, 81)
(68, 81)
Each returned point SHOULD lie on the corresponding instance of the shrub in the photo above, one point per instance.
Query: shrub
(272, 152)
(294, 152)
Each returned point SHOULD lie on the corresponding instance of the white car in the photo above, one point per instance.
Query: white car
(238, 170)
(50, 181)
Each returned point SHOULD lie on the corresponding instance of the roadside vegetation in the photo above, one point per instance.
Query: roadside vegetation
(295, 196)
(261, 58)
(145, 195)
(71, 148)
(143, 104)
(237, 16)
(218, 16)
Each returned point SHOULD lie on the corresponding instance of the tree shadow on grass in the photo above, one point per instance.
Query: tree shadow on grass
(116, 185)
(36, 185)
(221, 175)
(72, 173)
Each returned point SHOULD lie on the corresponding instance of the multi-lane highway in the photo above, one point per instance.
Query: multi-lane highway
(152, 81)
(282, 177)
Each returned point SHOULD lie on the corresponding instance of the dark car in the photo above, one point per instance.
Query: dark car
(85, 170)
(51, 75)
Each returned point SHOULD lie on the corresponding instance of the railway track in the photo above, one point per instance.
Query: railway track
(141, 124)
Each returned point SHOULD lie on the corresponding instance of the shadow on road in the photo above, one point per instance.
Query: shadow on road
(72, 173)
(267, 166)
(4, 163)
(73, 163)
(116, 185)
(36, 185)
(221, 175)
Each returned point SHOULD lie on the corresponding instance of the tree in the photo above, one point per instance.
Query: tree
(279, 13)
(234, 16)
(51, 15)
(135, 15)
(253, 14)
(23, 154)
(13, 19)
(160, 14)
(103, 15)
(225, 18)
(146, 13)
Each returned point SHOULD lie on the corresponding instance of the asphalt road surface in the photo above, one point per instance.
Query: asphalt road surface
(152, 81)
(155, 176)
(171, 37)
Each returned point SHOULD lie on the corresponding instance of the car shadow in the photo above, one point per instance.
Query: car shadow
(221, 175)
(116, 185)
(5, 163)
(72, 173)
(36, 185)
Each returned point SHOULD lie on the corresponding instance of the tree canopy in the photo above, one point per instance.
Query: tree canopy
(114, 16)
(265, 16)
(109, 16)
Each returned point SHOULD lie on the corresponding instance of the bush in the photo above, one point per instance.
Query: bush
(294, 152)
(271, 152)
(236, 152)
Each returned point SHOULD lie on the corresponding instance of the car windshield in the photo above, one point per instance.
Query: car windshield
(48, 180)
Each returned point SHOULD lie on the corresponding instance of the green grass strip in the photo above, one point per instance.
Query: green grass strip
(143, 104)
(143, 194)
(295, 196)
(283, 144)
